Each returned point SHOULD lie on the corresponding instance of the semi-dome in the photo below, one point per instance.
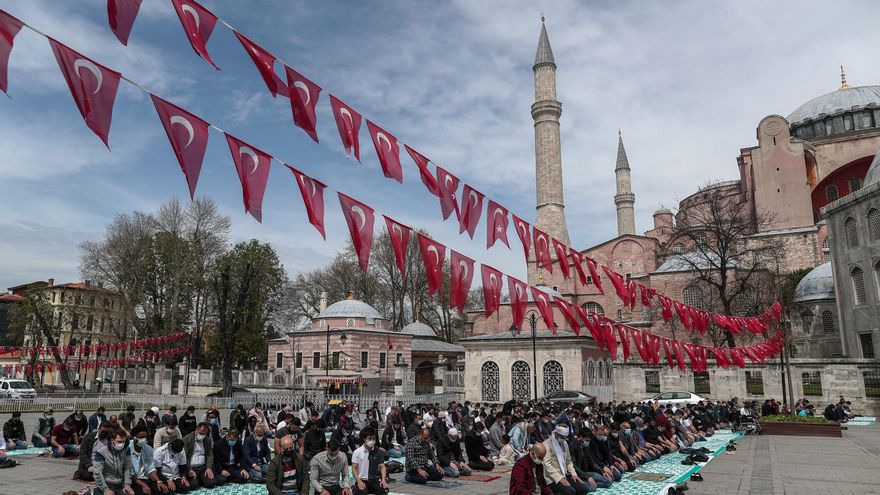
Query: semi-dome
(418, 329)
(845, 99)
(816, 285)
(350, 308)
(873, 175)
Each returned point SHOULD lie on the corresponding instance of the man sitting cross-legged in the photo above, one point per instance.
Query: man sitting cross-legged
(199, 449)
(421, 463)
(144, 478)
(63, 440)
(368, 467)
(257, 454)
(229, 458)
(112, 465)
(286, 474)
(449, 455)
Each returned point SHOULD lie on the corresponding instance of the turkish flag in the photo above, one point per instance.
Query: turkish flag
(92, 86)
(461, 275)
(590, 324)
(665, 307)
(496, 224)
(523, 230)
(471, 211)
(637, 340)
(399, 234)
(542, 249)
(624, 341)
(253, 172)
(433, 254)
(188, 135)
(646, 295)
(619, 285)
(519, 299)
(692, 357)
(303, 95)
(265, 63)
(198, 24)
(678, 356)
(720, 357)
(387, 151)
(542, 301)
(607, 330)
(122, 14)
(491, 289)
(683, 314)
(9, 28)
(428, 179)
(669, 360)
(312, 192)
(568, 315)
(562, 257)
(594, 273)
(632, 288)
(577, 259)
(447, 184)
(737, 358)
(359, 218)
(389, 344)
(348, 122)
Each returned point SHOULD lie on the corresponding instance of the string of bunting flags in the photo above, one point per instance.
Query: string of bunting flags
(95, 94)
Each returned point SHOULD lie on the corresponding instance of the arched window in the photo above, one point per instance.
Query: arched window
(827, 322)
(858, 281)
(678, 248)
(489, 377)
(831, 192)
(591, 372)
(278, 380)
(520, 381)
(806, 321)
(692, 296)
(554, 380)
(874, 224)
(700, 239)
(825, 246)
(594, 307)
(852, 232)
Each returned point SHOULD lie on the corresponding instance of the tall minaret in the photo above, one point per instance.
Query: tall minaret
(624, 199)
(548, 150)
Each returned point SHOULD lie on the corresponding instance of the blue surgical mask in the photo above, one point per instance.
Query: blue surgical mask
(601, 438)
(627, 431)
(231, 442)
(585, 443)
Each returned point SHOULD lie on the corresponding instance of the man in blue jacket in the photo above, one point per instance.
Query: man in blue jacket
(257, 454)
(229, 458)
(96, 419)
(144, 478)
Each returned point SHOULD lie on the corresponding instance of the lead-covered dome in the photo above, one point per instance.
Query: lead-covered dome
(843, 100)
(418, 329)
(816, 285)
(350, 308)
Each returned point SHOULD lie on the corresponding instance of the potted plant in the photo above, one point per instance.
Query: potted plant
(808, 426)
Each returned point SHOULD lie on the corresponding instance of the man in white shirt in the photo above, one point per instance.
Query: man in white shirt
(171, 466)
(368, 467)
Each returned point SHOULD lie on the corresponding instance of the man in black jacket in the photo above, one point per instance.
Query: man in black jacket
(477, 453)
(229, 459)
(188, 422)
(80, 422)
(346, 439)
(394, 440)
(13, 432)
(314, 442)
(86, 447)
(449, 455)
(601, 453)
(582, 458)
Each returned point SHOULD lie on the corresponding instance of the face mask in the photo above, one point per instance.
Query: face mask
(119, 446)
(231, 442)
(259, 438)
(503, 422)
(371, 444)
(585, 443)
(171, 428)
(66, 428)
(537, 461)
(614, 435)
(345, 433)
(601, 438)
(560, 441)
(48, 415)
(212, 421)
(627, 431)
(332, 457)
(200, 437)
(141, 441)
(288, 454)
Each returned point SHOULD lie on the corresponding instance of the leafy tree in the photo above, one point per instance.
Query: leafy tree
(34, 321)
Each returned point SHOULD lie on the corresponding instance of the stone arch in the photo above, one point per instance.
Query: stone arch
(490, 381)
(554, 376)
(521, 381)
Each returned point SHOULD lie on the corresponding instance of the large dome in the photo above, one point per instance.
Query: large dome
(418, 329)
(846, 99)
(873, 175)
(816, 285)
(350, 308)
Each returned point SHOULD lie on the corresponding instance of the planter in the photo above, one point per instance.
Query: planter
(802, 429)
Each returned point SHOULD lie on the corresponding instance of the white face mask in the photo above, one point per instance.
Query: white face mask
(119, 446)
(371, 444)
(259, 437)
(200, 437)
(537, 461)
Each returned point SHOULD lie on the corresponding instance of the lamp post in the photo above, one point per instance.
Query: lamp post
(342, 339)
(533, 325)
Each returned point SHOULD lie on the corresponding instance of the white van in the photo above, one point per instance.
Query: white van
(16, 389)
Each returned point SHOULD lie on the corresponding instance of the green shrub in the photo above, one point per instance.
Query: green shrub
(783, 418)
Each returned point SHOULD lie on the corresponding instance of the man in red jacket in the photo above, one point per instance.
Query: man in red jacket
(528, 473)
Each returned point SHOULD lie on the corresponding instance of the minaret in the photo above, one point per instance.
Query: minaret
(548, 150)
(624, 199)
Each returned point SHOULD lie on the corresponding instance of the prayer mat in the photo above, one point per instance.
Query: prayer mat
(862, 421)
(28, 451)
(478, 477)
(502, 469)
(647, 476)
(439, 484)
(233, 489)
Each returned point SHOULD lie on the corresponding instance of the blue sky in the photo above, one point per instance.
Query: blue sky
(687, 82)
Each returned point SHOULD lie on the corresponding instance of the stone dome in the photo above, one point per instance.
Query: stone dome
(662, 211)
(873, 175)
(418, 329)
(816, 285)
(842, 100)
(350, 308)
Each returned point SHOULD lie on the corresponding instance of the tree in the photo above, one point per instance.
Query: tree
(735, 272)
(246, 286)
(35, 322)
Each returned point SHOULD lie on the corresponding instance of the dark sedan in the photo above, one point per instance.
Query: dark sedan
(570, 397)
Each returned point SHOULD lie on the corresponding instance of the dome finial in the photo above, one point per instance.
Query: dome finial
(542, 17)
(540, 280)
(350, 295)
(843, 84)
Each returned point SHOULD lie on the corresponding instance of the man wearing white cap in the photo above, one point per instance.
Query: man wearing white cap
(449, 455)
(559, 471)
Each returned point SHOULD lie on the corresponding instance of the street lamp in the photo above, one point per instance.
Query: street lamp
(342, 339)
(533, 325)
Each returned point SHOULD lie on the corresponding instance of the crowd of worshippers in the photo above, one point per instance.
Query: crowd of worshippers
(339, 449)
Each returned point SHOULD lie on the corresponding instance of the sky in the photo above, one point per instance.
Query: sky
(685, 82)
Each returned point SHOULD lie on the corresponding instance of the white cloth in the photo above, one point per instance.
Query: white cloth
(168, 463)
(198, 458)
(361, 457)
(560, 455)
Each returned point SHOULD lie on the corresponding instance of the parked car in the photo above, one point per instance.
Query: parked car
(569, 396)
(676, 397)
(16, 389)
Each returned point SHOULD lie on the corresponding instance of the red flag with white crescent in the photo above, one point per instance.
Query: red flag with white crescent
(683, 314)
(562, 257)
(188, 135)
(524, 231)
(303, 94)
(491, 289)
(665, 307)
(348, 122)
(447, 184)
(519, 299)
(198, 24)
(594, 274)
(619, 285)
(9, 28)
(433, 254)
(252, 165)
(265, 63)
(678, 357)
(590, 324)
(92, 86)
(496, 224)
(669, 358)
(312, 192)
(399, 234)
(461, 275)
(568, 315)
(427, 177)
(624, 341)
(577, 259)
(542, 301)
(471, 210)
(607, 331)
(359, 218)
(637, 340)
(387, 150)
(389, 344)
(121, 14)
(542, 249)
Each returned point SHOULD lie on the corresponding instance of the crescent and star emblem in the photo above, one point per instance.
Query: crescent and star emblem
(433, 249)
(357, 210)
(523, 230)
(473, 196)
(542, 238)
(464, 267)
(91, 67)
(381, 136)
(450, 186)
(396, 228)
(192, 11)
(519, 291)
(303, 179)
(345, 113)
(301, 85)
(177, 119)
(247, 150)
(493, 281)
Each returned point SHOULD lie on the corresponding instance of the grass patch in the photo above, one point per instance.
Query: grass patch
(783, 418)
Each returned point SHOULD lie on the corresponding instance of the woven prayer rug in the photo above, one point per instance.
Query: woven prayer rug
(27, 451)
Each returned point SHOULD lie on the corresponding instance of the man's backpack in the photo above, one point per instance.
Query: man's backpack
(394, 467)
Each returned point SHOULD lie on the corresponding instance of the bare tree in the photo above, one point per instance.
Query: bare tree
(36, 322)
